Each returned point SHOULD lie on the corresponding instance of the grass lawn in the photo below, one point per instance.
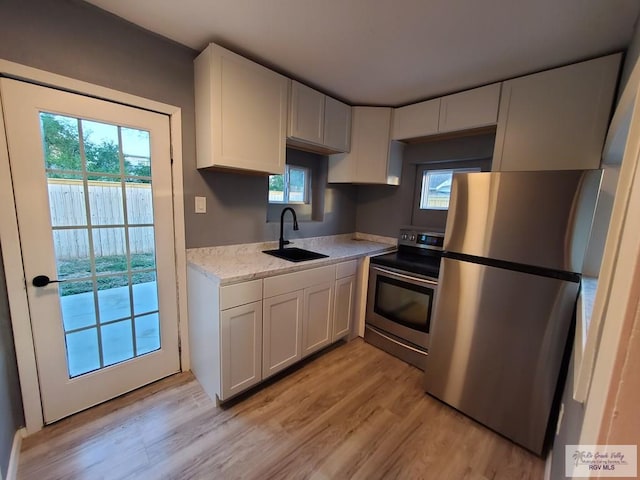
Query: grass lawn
(79, 270)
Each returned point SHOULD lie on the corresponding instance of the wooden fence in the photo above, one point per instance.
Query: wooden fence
(106, 207)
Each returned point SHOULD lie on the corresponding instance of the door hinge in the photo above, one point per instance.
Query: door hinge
(171, 153)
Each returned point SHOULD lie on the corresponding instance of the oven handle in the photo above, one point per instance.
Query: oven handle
(385, 271)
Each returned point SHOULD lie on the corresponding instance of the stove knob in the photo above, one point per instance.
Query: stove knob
(404, 236)
(413, 238)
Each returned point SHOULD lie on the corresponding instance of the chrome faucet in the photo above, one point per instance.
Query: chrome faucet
(282, 242)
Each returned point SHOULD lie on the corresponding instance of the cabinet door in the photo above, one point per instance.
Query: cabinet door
(417, 120)
(372, 128)
(344, 306)
(281, 332)
(318, 312)
(306, 118)
(471, 109)
(556, 120)
(240, 348)
(337, 125)
(241, 113)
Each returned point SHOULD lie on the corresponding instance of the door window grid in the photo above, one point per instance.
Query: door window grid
(104, 327)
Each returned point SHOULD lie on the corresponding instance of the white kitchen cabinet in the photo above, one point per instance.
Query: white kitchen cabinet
(416, 120)
(344, 306)
(469, 109)
(317, 121)
(225, 334)
(466, 110)
(317, 318)
(241, 334)
(282, 332)
(241, 113)
(557, 119)
(241, 348)
(373, 158)
(306, 114)
(337, 125)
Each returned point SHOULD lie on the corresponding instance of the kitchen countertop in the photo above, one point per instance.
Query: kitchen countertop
(238, 263)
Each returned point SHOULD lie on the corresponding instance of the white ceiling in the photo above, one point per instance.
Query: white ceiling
(384, 52)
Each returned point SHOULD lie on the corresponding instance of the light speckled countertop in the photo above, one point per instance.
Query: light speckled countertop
(238, 263)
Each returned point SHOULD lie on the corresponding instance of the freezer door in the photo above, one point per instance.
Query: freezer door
(533, 218)
(497, 341)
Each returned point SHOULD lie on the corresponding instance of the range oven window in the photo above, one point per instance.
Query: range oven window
(404, 303)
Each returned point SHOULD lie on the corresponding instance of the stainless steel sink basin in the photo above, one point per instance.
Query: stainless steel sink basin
(295, 254)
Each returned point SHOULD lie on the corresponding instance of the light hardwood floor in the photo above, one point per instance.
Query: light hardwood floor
(353, 412)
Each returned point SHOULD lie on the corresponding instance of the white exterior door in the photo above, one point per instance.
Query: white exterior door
(92, 185)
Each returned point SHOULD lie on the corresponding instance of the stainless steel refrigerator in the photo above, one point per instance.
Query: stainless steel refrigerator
(509, 281)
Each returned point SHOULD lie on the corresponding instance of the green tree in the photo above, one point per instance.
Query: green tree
(276, 183)
(62, 150)
(61, 145)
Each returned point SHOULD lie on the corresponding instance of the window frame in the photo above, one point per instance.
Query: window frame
(425, 185)
(287, 189)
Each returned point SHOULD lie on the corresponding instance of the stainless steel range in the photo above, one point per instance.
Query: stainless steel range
(401, 295)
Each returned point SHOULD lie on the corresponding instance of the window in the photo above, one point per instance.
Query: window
(291, 187)
(436, 188)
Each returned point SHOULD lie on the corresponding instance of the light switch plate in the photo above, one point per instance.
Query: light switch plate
(201, 204)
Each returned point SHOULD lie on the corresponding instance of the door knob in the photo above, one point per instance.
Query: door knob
(43, 281)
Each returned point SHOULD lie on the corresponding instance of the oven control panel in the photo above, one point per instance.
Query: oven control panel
(415, 238)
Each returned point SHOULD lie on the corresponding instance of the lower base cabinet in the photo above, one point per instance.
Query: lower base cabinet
(282, 332)
(243, 333)
(317, 318)
(344, 306)
(241, 348)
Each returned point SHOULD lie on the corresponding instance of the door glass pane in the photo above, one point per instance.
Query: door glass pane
(139, 201)
(135, 148)
(77, 305)
(101, 147)
(117, 342)
(105, 200)
(108, 267)
(145, 293)
(147, 333)
(83, 354)
(66, 200)
(61, 143)
(114, 299)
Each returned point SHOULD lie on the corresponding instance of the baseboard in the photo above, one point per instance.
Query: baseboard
(12, 471)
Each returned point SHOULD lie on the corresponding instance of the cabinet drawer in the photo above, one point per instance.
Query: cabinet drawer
(240, 294)
(346, 269)
(290, 282)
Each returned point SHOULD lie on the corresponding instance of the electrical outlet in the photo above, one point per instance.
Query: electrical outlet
(201, 204)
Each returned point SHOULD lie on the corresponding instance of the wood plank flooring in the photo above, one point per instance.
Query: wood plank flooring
(353, 412)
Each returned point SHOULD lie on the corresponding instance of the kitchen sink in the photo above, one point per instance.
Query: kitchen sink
(295, 254)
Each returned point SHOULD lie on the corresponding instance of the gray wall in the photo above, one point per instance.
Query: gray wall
(11, 416)
(383, 209)
(77, 40)
(241, 218)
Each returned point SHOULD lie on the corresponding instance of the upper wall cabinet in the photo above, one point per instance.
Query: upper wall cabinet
(318, 122)
(471, 109)
(461, 111)
(241, 113)
(556, 120)
(417, 120)
(373, 157)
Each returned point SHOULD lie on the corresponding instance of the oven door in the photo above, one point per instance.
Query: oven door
(400, 303)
